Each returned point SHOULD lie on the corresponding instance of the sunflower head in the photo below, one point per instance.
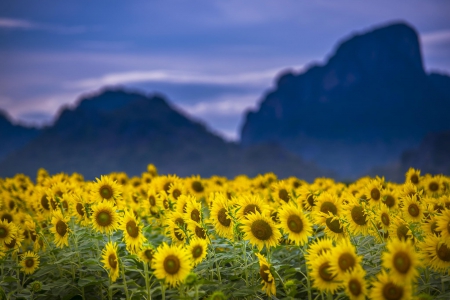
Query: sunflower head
(104, 217)
(402, 260)
(260, 230)
(106, 189)
(172, 264)
(268, 280)
(29, 262)
(198, 249)
(110, 260)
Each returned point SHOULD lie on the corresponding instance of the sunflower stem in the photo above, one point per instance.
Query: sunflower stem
(329, 296)
(147, 284)
(196, 291)
(125, 287)
(245, 262)
(109, 289)
(163, 291)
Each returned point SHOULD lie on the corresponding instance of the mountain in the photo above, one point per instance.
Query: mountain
(117, 130)
(371, 101)
(13, 137)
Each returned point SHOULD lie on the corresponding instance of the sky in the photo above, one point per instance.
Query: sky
(213, 59)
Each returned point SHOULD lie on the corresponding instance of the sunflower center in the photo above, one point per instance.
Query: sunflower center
(434, 226)
(197, 251)
(358, 215)
(195, 215)
(171, 264)
(104, 218)
(443, 252)
(178, 235)
(6, 217)
(346, 261)
(334, 225)
(132, 229)
(324, 273)
(3, 232)
(112, 260)
(29, 262)
(402, 262)
(413, 210)
(45, 203)
(251, 208)
(11, 244)
(296, 184)
(197, 186)
(311, 200)
(390, 201)
(61, 228)
(176, 193)
(166, 204)
(152, 200)
(106, 192)
(414, 179)
(179, 222)
(148, 254)
(264, 275)
(433, 186)
(283, 194)
(223, 218)
(295, 223)
(79, 208)
(354, 287)
(261, 230)
(375, 194)
(392, 291)
(328, 207)
(402, 232)
(166, 186)
(200, 232)
(385, 219)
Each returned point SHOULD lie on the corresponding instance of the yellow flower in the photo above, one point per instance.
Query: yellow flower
(132, 232)
(384, 217)
(433, 185)
(111, 260)
(60, 229)
(384, 288)
(436, 253)
(323, 279)
(198, 248)
(412, 176)
(281, 191)
(16, 242)
(318, 248)
(147, 254)
(250, 203)
(196, 186)
(172, 264)
(260, 230)
(104, 217)
(8, 231)
(390, 198)
(400, 230)
(175, 225)
(193, 210)
(412, 209)
(219, 215)
(326, 203)
(355, 285)
(106, 189)
(357, 215)
(295, 224)
(344, 259)
(402, 260)
(373, 191)
(267, 278)
(30, 262)
(443, 225)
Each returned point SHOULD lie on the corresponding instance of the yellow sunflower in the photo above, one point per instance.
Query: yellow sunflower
(306, 198)
(219, 216)
(373, 191)
(326, 203)
(193, 210)
(249, 203)
(16, 241)
(196, 185)
(106, 189)
(323, 279)
(104, 217)
(412, 209)
(433, 185)
(412, 176)
(78, 207)
(344, 259)
(197, 230)
(146, 255)
(172, 264)
(400, 230)
(318, 248)
(355, 284)
(384, 217)
(390, 198)
(29, 262)
(260, 230)
(385, 288)
(198, 248)
(334, 227)
(436, 254)
(132, 232)
(294, 223)
(357, 215)
(402, 260)
(175, 225)
(443, 225)
(176, 189)
(268, 281)
(430, 226)
(151, 205)
(60, 229)
(8, 231)
(111, 260)
(281, 191)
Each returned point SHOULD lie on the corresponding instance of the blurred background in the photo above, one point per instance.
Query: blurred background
(341, 89)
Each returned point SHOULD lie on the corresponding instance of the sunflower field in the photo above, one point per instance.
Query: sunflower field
(166, 237)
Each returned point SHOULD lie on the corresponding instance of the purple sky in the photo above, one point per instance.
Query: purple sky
(213, 59)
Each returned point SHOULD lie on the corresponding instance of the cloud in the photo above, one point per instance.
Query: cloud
(436, 37)
(9, 23)
(225, 105)
(252, 78)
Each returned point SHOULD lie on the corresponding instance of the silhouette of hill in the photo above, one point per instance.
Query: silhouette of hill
(370, 102)
(117, 130)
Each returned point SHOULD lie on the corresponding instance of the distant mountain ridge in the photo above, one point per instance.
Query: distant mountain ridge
(118, 130)
(369, 103)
